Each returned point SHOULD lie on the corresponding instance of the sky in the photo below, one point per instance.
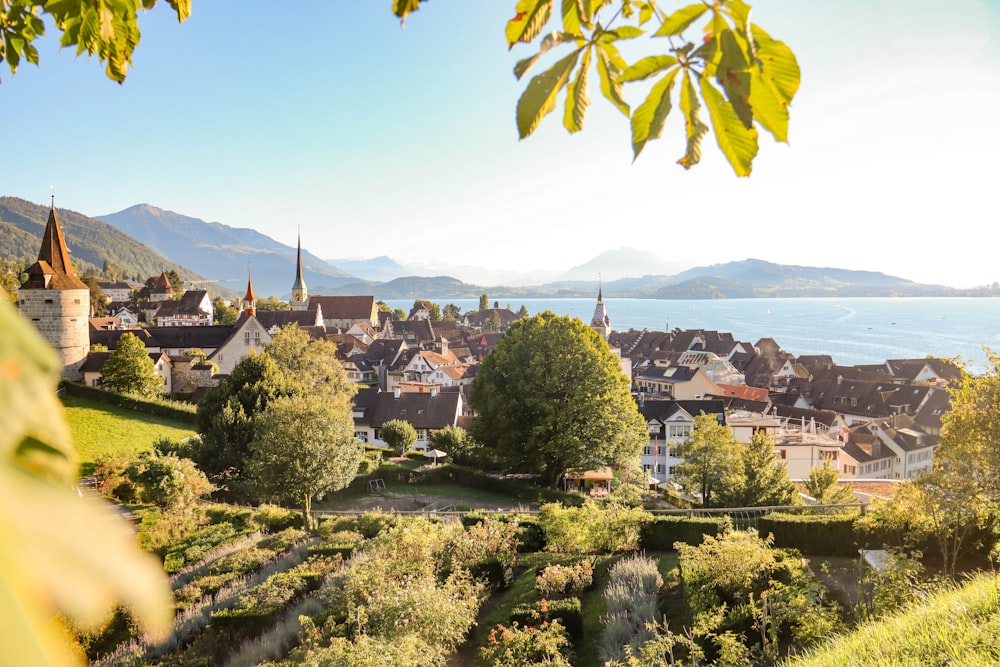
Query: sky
(325, 117)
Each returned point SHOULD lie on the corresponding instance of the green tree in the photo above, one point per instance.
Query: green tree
(551, 397)
(434, 311)
(522, 311)
(176, 282)
(311, 363)
(398, 314)
(226, 416)
(129, 369)
(484, 301)
(398, 434)
(970, 431)
(758, 479)
(708, 456)
(224, 313)
(168, 481)
(12, 276)
(824, 485)
(452, 313)
(305, 447)
(272, 303)
(98, 299)
(493, 323)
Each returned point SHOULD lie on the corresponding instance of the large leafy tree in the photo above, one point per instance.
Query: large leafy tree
(551, 397)
(708, 458)
(757, 477)
(305, 447)
(824, 485)
(130, 370)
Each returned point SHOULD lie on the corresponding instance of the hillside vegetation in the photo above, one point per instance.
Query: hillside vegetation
(959, 626)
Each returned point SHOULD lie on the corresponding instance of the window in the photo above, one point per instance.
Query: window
(783, 453)
(680, 430)
(49, 301)
(647, 450)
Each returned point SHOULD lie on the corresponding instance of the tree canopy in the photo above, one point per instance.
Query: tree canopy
(398, 434)
(708, 457)
(551, 397)
(757, 478)
(305, 447)
(129, 369)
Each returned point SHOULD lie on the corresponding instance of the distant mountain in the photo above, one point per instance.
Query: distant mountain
(621, 263)
(223, 253)
(381, 269)
(90, 241)
(409, 287)
(757, 278)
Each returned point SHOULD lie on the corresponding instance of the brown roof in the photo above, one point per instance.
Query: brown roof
(53, 261)
(354, 308)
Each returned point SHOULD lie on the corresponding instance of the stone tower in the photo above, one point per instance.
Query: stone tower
(300, 294)
(56, 301)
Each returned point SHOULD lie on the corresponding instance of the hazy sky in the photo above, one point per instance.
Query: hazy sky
(376, 140)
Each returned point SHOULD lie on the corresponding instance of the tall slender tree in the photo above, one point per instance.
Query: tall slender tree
(708, 458)
(758, 477)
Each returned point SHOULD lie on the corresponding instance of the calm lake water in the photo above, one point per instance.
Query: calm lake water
(852, 331)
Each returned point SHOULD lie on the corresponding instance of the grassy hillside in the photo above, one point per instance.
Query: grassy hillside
(99, 428)
(955, 627)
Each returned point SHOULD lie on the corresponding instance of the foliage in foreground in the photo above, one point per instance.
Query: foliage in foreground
(959, 626)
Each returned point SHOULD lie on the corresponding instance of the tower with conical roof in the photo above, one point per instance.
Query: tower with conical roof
(601, 323)
(300, 294)
(56, 301)
(248, 307)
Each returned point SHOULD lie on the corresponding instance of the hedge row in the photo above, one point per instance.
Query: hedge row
(566, 611)
(170, 410)
(660, 533)
(817, 534)
(463, 476)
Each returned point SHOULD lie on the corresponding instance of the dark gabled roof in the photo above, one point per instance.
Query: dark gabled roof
(928, 417)
(281, 318)
(364, 403)
(422, 410)
(825, 417)
(384, 351)
(746, 404)
(182, 306)
(420, 331)
(663, 409)
(908, 369)
(109, 338)
(671, 374)
(478, 318)
(353, 308)
(94, 362)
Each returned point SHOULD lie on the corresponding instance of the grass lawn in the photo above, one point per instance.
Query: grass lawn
(99, 428)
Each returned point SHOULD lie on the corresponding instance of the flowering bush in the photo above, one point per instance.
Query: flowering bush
(515, 646)
(560, 581)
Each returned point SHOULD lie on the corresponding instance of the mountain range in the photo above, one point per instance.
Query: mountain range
(145, 240)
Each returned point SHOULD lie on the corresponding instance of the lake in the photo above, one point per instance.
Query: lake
(851, 330)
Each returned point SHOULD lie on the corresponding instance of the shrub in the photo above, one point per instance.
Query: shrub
(817, 534)
(560, 581)
(516, 646)
(604, 527)
(194, 547)
(284, 540)
(565, 612)
(660, 533)
(371, 524)
(486, 541)
(239, 517)
(631, 598)
(275, 518)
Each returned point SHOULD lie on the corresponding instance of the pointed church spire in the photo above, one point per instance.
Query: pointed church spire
(250, 300)
(53, 270)
(300, 295)
(600, 289)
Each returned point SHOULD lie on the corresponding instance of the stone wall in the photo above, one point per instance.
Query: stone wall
(62, 317)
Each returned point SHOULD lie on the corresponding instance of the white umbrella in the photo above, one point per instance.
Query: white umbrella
(435, 453)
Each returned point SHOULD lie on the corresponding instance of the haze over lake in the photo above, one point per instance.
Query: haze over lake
(852, 331)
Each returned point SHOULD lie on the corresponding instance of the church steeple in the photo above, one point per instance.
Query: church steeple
(300, 294)
(601, 323)
(249, 305)
(53, 270)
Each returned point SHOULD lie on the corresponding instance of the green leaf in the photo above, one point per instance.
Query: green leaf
(574, 16)
(402, 8)
(740, 12)
(608, 69)
(539, 98)
(183, 9)
(551, 40)
(650, 116)
(779, 68)
(738, 143)
(680, 20)
(577, 99)
(647, 67)
(529, 19)
(693, 127)
(624, 32)
(732, 73)
(768, 110)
